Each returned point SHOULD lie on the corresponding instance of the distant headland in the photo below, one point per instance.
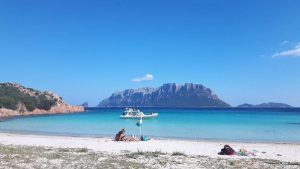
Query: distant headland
(17, 100)
(265, 105)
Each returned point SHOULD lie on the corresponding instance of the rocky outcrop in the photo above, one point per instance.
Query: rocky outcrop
(59, 109)
(168, 95)
(17, 100)
(85, 104)
(265, 105)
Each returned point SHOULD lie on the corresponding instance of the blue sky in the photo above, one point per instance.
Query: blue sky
(245, 51)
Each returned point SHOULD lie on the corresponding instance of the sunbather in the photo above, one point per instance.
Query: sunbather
(121, 136)
(227, 150)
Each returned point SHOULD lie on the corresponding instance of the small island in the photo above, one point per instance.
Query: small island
(174, 95)
(265, 105)
(17, 100)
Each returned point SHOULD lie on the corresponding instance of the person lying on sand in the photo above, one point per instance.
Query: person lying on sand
(120, 136)
(227, 150)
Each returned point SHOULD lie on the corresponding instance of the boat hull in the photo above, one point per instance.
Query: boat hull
(146, 116)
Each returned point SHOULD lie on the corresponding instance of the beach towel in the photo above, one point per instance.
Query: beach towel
(145, 138)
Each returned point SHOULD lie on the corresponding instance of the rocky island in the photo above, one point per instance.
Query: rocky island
(265, 105)
(188, 95)
(17, 100)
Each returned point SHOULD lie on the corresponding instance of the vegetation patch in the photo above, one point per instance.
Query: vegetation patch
(178, 153)
(11, 97)
(20, 157)
(144, 153)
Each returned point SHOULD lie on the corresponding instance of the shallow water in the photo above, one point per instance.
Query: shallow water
(251, 125)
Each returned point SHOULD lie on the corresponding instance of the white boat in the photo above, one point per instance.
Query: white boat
(130, 113)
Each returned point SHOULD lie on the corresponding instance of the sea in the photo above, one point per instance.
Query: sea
(228, 124)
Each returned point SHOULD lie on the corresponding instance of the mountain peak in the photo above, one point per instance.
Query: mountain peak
(167, 95)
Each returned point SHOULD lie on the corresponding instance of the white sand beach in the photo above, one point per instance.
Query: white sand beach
(274, 151)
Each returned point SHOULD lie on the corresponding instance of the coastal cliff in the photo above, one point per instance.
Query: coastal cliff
(17, 100)
(187, 95)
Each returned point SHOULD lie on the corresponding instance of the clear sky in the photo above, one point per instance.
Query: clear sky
(245, 51)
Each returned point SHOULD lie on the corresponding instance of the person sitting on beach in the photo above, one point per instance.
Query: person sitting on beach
(120, 136)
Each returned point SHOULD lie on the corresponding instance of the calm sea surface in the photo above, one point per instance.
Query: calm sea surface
(262, 125)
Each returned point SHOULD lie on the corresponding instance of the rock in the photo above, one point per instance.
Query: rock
(85, 104)
(188, 95)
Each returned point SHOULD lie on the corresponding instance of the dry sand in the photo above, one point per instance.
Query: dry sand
(282, 152)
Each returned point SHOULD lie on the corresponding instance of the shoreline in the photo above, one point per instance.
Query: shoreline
(156, 138)
(12, 117)
(203, 108)
(61, 108)
(274, 151)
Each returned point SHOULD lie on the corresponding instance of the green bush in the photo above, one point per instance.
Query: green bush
(10, 97)
(45, 103)
(8, 102)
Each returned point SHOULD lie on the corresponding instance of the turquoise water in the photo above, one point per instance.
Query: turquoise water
(199, 124)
